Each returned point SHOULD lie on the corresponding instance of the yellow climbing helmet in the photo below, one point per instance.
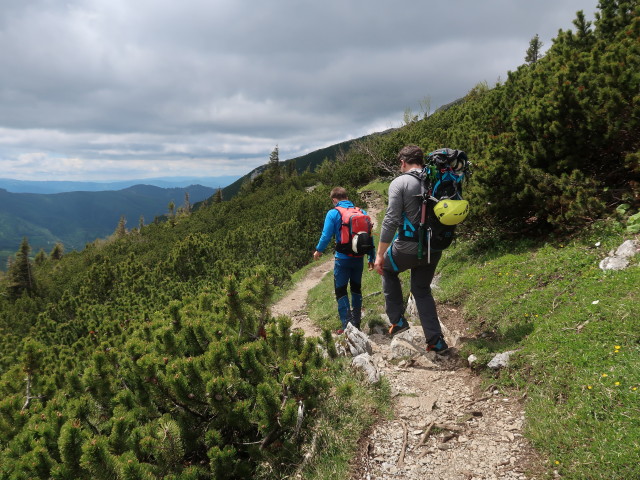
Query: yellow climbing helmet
(451, 212)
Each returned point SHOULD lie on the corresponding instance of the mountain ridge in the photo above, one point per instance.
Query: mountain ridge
(77, 218)
(61, 186)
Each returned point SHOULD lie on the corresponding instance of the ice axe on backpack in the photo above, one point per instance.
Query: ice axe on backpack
(423, 221)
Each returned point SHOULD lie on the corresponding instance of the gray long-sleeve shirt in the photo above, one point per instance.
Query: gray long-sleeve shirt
(404, 196)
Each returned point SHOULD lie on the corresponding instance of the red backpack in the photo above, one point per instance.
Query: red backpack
(355, 232)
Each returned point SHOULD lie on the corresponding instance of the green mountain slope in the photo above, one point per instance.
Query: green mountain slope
(309, 162)
(77, 218)
(152, 354)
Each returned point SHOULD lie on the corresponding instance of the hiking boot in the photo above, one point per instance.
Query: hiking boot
(437, 345)
(396, 328)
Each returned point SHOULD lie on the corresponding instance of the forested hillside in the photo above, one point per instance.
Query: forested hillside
(77, 218)
(152, 354)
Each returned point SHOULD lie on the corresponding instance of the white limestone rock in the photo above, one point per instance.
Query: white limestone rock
(501, 360)
(364, 362)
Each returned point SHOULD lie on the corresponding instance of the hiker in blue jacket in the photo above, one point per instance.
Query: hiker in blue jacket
(347, 269)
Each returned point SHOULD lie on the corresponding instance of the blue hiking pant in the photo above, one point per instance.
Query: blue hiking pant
(348, 272)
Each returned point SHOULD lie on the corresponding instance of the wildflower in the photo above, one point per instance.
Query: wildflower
(617, 383)
(634, 388)
(557, 462)
(589, 387)
(605, 375)
(617, 347)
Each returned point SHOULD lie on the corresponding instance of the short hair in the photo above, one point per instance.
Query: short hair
(339, 193)
(411, 154)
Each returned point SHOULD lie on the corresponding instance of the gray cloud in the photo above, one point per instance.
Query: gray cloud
(84, 81)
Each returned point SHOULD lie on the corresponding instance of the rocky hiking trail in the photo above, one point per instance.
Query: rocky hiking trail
(444, 425)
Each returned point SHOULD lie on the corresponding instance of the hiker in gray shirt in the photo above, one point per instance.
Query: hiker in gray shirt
(396, 256)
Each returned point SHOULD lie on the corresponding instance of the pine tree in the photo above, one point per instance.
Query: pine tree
(187, 203)
(20, 272)
(121, 229)
(218, 196)
(57, 252)
(533, 52)
(273, 168)
(291, 168)
(40, 257)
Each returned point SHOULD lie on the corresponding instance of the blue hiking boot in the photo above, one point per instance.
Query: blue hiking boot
(437, 345)
(401, 326)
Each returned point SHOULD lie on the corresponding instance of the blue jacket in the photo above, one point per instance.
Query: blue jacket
(332, 224)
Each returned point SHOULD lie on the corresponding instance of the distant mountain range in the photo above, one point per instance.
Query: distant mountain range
(29, 186)
(78, 218)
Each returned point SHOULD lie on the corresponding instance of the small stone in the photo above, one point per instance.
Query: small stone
(501, 360)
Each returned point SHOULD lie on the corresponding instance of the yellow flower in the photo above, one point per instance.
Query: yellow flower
(617, 347)
(589, 387)
(634, 388)
(605, 375)
(617, 383)
(557, 462)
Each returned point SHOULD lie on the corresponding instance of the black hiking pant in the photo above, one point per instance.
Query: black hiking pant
(421, 276)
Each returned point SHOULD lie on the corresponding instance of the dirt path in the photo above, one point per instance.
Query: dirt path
(294, 303)
(444, 426)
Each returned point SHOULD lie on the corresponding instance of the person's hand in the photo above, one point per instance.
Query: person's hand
(379, 263)
(317, 255)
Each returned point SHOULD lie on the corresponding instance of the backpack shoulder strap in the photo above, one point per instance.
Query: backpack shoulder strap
(414, 174)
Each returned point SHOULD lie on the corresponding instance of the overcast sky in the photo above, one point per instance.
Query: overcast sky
(122, 89)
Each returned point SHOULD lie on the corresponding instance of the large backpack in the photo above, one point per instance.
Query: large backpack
(442, 205)
(355, 232)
